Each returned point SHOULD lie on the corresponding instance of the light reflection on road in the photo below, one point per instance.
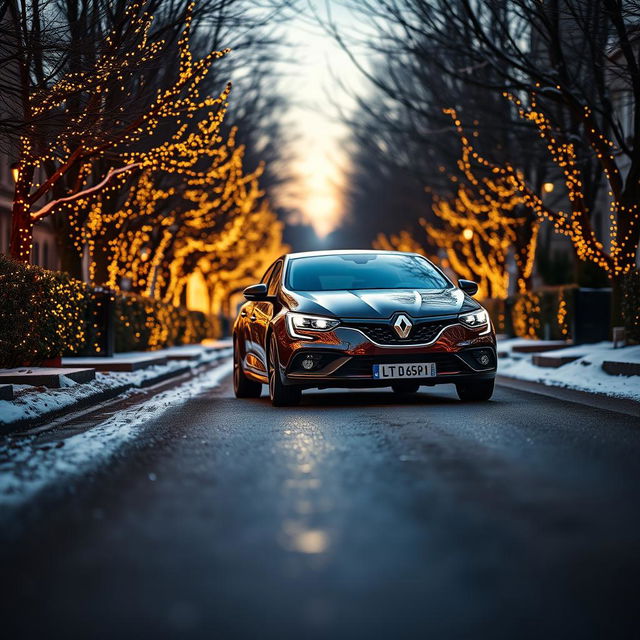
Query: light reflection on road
(304, 446)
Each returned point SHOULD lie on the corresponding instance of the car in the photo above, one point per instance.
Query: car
(355, 319)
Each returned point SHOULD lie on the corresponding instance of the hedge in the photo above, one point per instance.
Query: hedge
(549, 312)
(146, 324)
(546, 313)
(631, 305)
(45, 314)
(42, 313)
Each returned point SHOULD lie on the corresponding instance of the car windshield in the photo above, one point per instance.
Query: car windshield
(363, 271)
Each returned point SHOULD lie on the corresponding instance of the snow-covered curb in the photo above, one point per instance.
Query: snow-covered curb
(583, 374)
(26, 468)
(37, 403)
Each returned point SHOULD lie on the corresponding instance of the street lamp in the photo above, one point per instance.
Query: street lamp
(548, 187)
(467, 234)
(15, 171)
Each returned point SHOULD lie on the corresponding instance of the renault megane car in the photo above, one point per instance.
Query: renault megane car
(361, 319)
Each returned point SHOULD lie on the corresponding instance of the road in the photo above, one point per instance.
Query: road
(355, 515)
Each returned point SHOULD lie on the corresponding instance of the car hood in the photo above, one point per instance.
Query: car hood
(381, 303)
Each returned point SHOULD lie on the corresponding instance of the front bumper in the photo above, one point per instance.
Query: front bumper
(345, 357)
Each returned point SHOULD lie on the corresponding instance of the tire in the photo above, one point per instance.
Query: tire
(479, 391)
(281, 395)
(242, 386)
(405, 387)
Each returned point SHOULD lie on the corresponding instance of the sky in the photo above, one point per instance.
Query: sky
(316, 99)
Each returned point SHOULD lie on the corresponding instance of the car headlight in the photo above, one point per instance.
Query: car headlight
(476, 319)
(304, 322)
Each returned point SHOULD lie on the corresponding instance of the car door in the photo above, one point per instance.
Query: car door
(262, 314)
(253, 350)
(243, 327)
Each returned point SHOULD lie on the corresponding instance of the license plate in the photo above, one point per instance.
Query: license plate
(409, 370)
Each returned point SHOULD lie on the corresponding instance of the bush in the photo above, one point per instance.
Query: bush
(547, 312)
(146, 324)
(500, 314)
(41, 313)
(631, 305)
(45, 314)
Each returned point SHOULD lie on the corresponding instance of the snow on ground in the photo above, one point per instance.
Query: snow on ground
(27, 467)
(34, 402)
(584, 374)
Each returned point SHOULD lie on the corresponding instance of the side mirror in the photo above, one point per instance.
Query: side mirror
(468, 286)
(257, 292)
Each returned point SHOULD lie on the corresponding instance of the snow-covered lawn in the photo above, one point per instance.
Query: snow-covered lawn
(35, 402)
(27, 467)
(585, 373)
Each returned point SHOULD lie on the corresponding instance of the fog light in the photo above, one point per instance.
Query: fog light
(483, 358)
(308, 363)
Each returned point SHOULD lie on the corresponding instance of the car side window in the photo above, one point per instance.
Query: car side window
(275, 279)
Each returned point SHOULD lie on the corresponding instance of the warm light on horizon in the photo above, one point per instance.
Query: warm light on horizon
(320, 157)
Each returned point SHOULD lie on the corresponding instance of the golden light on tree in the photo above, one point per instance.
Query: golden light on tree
(402, 241)
(471, 239)
(548, 187)
(146, 186)
(219, 226)
(110, 133)
(616, 253)
(485, 223)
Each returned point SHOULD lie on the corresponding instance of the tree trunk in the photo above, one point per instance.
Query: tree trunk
(628, 238)
(21, 231)
(525, 250)
(70, 259)
(616, 301)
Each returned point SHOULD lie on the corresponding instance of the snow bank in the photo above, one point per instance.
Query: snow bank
(36, 402)
(27, 466)
(584, 374)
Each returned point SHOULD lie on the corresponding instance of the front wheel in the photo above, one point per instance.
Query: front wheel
(478, 391)
(242, 386)
(281, 395)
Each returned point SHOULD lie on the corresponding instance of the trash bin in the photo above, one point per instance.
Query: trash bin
(592, 316)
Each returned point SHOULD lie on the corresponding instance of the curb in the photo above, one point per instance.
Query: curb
(598, 400)
(28, 423)
(105, 395)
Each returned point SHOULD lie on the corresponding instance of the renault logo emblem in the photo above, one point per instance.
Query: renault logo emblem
(402, 326)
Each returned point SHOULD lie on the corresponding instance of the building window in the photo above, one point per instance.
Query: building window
(45, 255)
(35, 256)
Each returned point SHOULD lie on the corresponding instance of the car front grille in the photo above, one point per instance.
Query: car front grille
(446, 363)
(421, 332)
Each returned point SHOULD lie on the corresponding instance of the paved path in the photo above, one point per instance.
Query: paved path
(352, 516)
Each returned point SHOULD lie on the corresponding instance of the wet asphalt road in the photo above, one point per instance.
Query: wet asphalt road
(355, 515)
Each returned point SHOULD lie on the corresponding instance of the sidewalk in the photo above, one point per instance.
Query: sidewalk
(593, 368)
(32, 404)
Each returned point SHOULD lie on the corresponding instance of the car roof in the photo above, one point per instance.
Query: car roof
(342, 252)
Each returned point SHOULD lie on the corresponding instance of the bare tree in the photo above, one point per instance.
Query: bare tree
(405, 126)
(571, 71)
(96, 92)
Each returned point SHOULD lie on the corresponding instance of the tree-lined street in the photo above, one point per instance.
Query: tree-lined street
(353, 515)
(199, 198)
